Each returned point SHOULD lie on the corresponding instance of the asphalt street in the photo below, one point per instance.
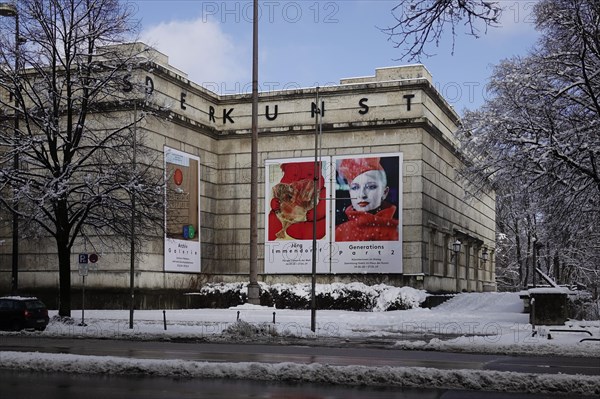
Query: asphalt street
(343, 355)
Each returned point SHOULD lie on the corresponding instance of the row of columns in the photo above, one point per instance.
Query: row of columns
(469, 270)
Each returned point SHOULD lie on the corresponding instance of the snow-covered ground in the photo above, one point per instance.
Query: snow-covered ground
(471, 322)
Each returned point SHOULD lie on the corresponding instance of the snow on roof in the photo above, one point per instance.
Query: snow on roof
(19, 298)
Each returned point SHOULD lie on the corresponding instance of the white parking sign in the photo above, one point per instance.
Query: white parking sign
(83, 269)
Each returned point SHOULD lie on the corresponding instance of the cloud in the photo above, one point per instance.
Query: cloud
(203, 51)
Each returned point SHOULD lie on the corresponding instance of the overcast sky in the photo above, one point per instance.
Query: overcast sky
(309, 43)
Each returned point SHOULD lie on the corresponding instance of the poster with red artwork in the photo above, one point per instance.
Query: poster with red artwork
(296, 206)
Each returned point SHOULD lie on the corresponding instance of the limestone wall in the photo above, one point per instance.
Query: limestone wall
(397, 110)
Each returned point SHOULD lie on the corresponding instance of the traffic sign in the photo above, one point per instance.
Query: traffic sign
(83, 269)
(93, 258)
(83, 258)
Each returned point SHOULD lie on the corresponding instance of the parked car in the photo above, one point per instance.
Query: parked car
(18, 313)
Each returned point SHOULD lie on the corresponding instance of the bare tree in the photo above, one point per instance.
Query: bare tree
(75, 177)
(423, 22)
(540, 128)
(516, 229)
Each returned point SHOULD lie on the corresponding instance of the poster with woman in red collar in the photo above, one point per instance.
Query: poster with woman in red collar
(368, 211)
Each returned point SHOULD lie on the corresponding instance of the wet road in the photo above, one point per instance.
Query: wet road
(24, 385)
(302, 354)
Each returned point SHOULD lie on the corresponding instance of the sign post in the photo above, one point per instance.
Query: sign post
(93, 258)
(83, 272)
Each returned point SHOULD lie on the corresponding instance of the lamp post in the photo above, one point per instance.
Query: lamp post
(253, 287)
(9, 10)
(456, 250)
(316, 195)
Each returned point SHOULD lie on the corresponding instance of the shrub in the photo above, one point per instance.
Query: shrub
(355, 297)
(222, 296)
(285, 296)
(338, 296)
(582, 306)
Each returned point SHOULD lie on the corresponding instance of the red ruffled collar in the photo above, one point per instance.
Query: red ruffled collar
(386, 213)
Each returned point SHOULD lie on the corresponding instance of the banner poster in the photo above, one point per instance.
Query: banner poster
(367, 236)
(182, 212)
(290, 214)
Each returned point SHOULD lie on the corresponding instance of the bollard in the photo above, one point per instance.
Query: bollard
(238, 316)
(273, 317)
(165, 319)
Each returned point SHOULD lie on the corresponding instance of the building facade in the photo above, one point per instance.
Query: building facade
(394, 122)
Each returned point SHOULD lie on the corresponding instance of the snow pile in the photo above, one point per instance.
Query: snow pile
(242, 329)
(480, 380)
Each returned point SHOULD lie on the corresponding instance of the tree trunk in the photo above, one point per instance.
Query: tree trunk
(527, 259)
(64, 275)
(64, 259)
(518, 253)
(556, 263)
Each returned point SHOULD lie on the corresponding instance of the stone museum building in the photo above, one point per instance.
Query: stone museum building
(393, 127)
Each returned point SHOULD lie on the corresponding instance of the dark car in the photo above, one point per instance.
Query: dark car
(18, 313)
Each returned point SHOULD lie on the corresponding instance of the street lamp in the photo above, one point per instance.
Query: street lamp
(455, 251)
(9, 10)
(485, 255)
